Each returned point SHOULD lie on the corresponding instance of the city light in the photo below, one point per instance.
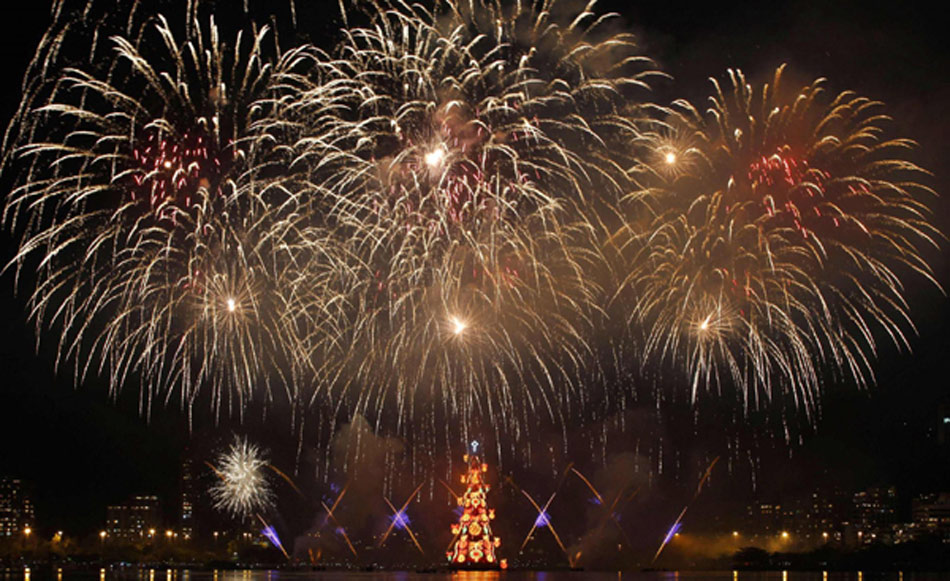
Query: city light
(27, 531)
(784, 534)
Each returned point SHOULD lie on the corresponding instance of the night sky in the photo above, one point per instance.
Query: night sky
(81, 449)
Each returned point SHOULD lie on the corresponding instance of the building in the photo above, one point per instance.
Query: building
(813, 518)
(16, 508)
(186, 516)
(874, 513)
(764, 518)
(137, 519)
(931, 514)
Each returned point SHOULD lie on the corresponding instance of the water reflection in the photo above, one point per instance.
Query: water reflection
(483, 575)
(132, 573)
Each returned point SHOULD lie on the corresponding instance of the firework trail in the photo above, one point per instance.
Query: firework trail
(330, 516)
(401, 520)
(783, 226)
(271, 535)
(543, 519)
(609, 514)
(677, 524)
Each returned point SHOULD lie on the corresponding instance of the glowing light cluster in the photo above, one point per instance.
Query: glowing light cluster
(473, 542)
(788, 188)
(171, 169)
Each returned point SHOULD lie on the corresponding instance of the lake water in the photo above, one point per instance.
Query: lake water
(142, 574)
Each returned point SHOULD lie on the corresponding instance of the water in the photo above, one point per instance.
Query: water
(146, 574)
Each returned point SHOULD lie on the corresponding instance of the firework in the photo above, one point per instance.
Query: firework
(457, 152)
(678, 523)
(160, 252)
(242, 489)
(274, 539)
(434, 224)
(782, 242)
(400, 520)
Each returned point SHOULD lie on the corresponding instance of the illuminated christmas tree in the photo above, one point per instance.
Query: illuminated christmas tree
(474, 544)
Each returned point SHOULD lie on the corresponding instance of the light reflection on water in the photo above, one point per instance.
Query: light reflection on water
(143, 574)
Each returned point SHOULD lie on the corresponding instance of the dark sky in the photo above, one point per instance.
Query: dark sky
(82, 450)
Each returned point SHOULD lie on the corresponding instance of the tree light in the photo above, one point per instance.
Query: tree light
(474, 542)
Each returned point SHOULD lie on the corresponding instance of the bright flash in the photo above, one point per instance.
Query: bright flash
(434, 158)
(232, 306)
(705, 324)
(167, 164)
(458, 326)
(670, 158)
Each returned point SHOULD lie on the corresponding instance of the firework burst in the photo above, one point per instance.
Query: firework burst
(456, 151)
(782, 245)
(243, 489)
(160, 251)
